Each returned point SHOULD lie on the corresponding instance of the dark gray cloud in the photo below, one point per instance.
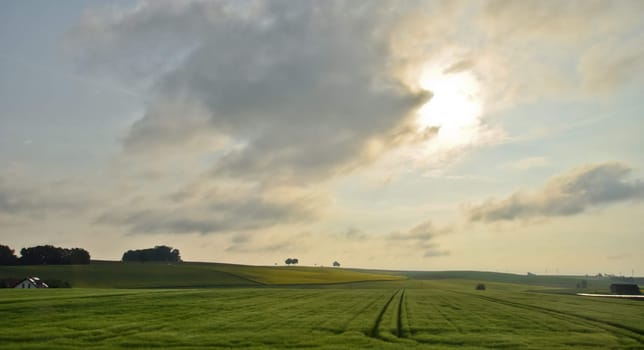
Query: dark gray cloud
(572, 193)
(303, 89)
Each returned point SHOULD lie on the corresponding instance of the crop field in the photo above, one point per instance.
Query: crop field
(112, 274)
(410, 314)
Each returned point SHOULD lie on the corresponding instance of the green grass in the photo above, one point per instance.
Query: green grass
(255, 307)
(109, 274)
(559, 281)
(414, 314)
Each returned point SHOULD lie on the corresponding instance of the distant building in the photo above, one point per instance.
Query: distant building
(624, 289)
(31, 283)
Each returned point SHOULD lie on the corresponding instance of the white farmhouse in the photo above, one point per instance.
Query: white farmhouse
(31, 282)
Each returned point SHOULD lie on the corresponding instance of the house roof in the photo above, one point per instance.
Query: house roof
(35, 281)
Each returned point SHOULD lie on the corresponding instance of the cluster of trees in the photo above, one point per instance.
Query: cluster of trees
(290, 261)
(44, 255)
(158, 253)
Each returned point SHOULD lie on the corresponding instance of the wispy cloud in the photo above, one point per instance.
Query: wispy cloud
(422, 237)
(211, 208)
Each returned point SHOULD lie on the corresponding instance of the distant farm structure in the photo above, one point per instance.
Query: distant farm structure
(620, 290)
(625, 289)
(31, 283)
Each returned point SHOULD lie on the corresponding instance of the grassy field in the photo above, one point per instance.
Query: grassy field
(122, 306)
(381, 315)
(110, 274)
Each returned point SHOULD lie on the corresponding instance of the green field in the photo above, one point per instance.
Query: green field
(109, 274)
(341, 309)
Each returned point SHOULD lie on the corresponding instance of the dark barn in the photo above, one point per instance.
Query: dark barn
(624, 289)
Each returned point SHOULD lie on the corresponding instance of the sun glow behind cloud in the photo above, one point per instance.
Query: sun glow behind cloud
(455, 108)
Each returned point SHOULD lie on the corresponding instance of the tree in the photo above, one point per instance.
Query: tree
(480, 286)
(40, 255)
(336, 264)
(290, 261)
(158, 253)
(50, 255)
(7, 257)
(77, 256)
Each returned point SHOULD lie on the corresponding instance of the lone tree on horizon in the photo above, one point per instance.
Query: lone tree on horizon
(336, 264)
(290, 261)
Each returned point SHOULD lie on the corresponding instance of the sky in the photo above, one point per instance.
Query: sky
(421, 135)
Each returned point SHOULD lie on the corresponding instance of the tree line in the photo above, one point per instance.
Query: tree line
(44, 255)
(158, 253)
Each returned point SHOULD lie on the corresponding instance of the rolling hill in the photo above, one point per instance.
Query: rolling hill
(114, 274)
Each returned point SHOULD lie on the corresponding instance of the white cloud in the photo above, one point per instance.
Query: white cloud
(571, 193)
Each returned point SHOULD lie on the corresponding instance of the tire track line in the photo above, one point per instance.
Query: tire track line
(344, 326)
(374, 330)
(399, 325)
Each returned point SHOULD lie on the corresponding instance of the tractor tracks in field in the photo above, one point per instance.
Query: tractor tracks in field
(374, 330)
(612, 327)
(399, 325)
(399, 332)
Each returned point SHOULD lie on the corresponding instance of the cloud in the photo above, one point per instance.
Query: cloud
(274, 243)
(435, 253)
(306, 91)
(211, 207)
(269, 97)
(571, 193)
(353, 234)
(274, 247)
(602, 72)
(302, 89)
(422, 236)
(38, 200)
(292, 95)
(173, 122)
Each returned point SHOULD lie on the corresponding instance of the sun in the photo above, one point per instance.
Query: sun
(455, 107)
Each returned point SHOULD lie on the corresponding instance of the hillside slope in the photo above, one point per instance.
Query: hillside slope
(113, 274)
